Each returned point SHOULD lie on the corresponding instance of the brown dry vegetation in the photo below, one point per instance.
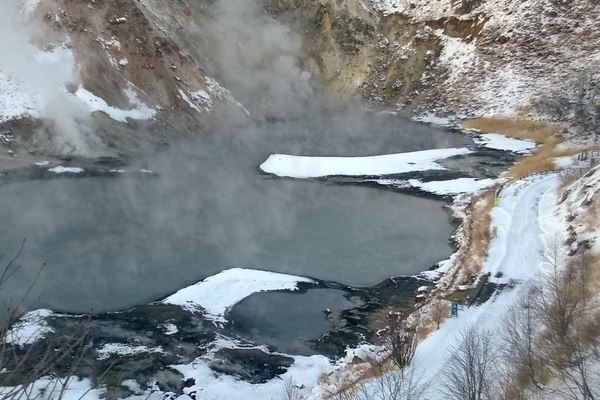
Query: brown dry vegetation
(570, 299)
(545, 135)
(515, 128)
(477, 235)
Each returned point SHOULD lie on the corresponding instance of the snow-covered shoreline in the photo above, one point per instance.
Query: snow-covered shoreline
(284, 165)
(218, 293)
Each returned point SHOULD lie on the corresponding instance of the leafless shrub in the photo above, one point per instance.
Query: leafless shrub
(569, 317)
(290, 390)
(471, 373)
(401, 341)
(519, 350)
(405, 384)
(22, 365)
(439, 312)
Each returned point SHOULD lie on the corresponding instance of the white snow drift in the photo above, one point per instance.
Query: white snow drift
(216, 294)
(30, 328)
(138, 111)
(313, 167)
(501, 142)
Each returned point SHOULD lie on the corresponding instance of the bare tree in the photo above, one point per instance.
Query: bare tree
(519, 351)
(290, 390)
(401, 340)
(567, 310)
(406, 384)
(30, 370)
(439, 312)
(470, 372)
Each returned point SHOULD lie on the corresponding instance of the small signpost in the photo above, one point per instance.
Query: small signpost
(454, 310)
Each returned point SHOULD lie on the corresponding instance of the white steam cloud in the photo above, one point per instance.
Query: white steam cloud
(34, 82)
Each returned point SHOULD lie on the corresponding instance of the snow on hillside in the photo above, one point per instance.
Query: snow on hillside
(14, 99)
(138, 110)
(513, 52)
(313, 167)
(580, 206)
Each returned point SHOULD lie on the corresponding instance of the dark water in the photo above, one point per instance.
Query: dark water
(110, 243)
(287, 320)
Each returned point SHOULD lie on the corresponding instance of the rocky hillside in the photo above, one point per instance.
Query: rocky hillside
(150, 69)
(478, 57)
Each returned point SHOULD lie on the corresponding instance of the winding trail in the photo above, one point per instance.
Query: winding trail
(526, 222)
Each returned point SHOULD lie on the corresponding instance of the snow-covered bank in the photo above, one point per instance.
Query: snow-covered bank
(216, 294)
(304, 375)
(525, 223)
(314, 167)
(500, 142)
(450, 187)
(30, 328)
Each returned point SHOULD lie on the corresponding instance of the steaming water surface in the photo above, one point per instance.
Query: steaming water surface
(110, 243)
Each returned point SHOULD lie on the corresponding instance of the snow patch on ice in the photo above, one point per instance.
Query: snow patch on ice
(30, 328)
(501, 142)
(448, 187)
(314, 167)
(169, 329)
(66, 170)
(452, 186)
(126, 350)
(434, 120)
(218, 293)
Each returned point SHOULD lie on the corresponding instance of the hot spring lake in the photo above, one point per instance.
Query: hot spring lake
(112, 242)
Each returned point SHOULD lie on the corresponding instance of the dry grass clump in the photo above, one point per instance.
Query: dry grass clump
(477, 235)
(543, 134)
(540, 161)
(515, 128)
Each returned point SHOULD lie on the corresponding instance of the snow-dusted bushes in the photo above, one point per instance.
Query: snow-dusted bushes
(551, 340)
(31, 366)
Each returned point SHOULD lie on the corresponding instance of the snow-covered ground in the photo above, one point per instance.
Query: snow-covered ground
(526, 223)
(139, 110)
(216, 294)
(314, 167)
(449, 187)
(110, 349)
(30, 328)
(65, 170)
(452, 186)
(501, 142)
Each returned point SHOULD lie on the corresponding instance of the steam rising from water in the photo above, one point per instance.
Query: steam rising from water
(41, 78)
(210, 209)
(258, 59)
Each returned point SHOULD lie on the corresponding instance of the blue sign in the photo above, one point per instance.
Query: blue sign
(454, 311)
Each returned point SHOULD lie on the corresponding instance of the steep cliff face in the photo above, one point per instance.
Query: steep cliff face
(148, 70)
(127, 82)
(476, 57)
